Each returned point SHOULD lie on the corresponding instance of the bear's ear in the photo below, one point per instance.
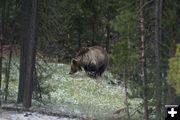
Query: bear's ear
(74, 61)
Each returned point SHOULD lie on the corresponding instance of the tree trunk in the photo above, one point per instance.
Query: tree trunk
(2, 37)
(23, 50)
(27, 52)
(1, 50)
(30, 58)
(143, 62)
(8, 64)
(126, 93)
(157, 60)
(163, 69)
(8, 69)
(21, 75)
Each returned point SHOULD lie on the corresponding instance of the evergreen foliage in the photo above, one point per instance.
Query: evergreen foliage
(174, 70)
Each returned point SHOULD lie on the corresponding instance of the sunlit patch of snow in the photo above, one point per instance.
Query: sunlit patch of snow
(12, 115)
(57, 64)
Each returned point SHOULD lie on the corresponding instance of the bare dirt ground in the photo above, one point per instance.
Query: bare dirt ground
(14, 115)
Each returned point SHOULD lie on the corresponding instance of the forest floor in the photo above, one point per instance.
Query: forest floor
(13, 111)
(14, 115)
(76, 95)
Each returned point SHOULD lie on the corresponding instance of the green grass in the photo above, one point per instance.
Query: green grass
(78, 94)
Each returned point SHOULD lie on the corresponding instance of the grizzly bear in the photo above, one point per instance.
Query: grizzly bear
(93, 60)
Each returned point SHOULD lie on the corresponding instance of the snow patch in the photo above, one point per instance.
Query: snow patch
(12, 115)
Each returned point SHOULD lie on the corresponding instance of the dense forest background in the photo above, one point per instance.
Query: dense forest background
(140, 36)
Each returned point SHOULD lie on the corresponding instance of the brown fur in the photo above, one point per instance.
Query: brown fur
(94, 60)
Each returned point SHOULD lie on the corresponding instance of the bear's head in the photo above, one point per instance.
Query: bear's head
(75, 66)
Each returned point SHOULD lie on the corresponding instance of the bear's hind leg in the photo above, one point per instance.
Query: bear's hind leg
(101, 70)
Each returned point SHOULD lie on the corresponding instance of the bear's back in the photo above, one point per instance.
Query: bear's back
(96, 55)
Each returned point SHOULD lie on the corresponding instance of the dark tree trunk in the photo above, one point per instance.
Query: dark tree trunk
(1, 50)
(163, 68)
(126, 92)
(143, 61)
(21, 76)
(31, 56)
(23, 49)
(27, 52)
(158, 81)
(2, 37)
(8, 69)
(1, 56)
(8, 64)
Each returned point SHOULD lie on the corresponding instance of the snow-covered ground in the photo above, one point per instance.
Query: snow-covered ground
(72, 95)
(13, 115)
